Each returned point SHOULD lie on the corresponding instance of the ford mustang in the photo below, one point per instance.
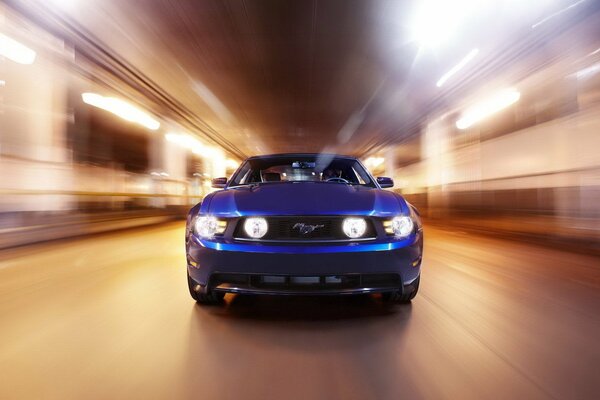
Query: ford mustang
(302, 224)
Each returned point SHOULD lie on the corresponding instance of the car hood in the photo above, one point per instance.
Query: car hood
(305, 198)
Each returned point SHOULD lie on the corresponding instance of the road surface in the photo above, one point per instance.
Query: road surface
(109, 317)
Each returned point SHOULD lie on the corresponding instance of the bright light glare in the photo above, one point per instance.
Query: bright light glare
(588, 72)
(436, 21)
(256, 227)
(402, 226)
(15, 51)
(121, 109)
(194, 145)
(232, 164)
(457, 67)
(490, 106)
(373, 162)
(206, 226)
(187, 141)
(354, 227)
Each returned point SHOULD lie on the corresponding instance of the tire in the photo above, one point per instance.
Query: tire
(409, 293)
(210, 298)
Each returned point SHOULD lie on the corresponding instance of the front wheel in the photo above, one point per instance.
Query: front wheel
(209, 298)
(404, 297)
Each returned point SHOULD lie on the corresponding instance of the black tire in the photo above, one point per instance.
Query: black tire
(410, 291)
(209, 298)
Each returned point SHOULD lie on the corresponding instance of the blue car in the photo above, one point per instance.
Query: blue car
(298, 224)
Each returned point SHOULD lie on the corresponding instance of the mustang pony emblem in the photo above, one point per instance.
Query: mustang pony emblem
(305, 229)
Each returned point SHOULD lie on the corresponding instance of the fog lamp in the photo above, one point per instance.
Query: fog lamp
(354, 227)
(256, 227)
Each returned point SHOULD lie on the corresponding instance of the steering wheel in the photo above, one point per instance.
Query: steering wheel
(336, 179)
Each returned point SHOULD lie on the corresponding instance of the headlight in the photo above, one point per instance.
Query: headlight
(400, 227)
(256, 227)
(354, 227)
(208, 226)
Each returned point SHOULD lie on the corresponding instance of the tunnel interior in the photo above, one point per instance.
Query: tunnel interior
(481, 119)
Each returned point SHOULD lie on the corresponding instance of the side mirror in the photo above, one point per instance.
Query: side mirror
(385, 182)
(219, 183)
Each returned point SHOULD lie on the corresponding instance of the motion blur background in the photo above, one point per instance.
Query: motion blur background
(117, 114)
(486, 114)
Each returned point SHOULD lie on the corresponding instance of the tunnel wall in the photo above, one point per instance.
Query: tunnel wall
(531, 168)
(69, 168)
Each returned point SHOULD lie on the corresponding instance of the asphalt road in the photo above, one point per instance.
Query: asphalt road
(109, 317)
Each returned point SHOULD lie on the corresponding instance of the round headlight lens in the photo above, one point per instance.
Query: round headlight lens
(354, 227)
(206, 226)
(402, 226)
(256, 227)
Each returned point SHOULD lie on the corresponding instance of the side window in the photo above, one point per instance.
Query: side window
(244, 177)
(358, 177)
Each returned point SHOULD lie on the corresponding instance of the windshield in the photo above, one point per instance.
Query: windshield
(302, 169)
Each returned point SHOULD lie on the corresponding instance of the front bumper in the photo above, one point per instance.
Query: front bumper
(304, 269)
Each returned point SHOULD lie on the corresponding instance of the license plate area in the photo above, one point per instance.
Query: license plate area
(323, 280)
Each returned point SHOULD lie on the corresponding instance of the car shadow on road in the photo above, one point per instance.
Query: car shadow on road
(256, 346)
(307, 308)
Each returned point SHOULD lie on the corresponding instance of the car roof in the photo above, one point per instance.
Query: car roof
(300, 155)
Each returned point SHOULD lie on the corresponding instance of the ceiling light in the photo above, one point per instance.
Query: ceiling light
(488, 107)
(436, 21)
(457, 67)
(122, 109)
(16, 51)
(187, 141)
(197, 147)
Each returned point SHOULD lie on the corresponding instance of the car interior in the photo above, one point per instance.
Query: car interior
(284, 170)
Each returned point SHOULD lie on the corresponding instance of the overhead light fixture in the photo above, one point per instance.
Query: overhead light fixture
(122, 109)
(186, 141)
(488, 107)
(436, 21)
(196, 146)
(457, 67)
(16, 51)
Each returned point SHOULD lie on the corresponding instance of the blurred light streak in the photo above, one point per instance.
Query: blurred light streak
(213, 102)
(488, 107)
(457, 67)
(588, 72)
(64, 3)
(350, 127)
(122, 109)
(374, 162)
(232, 164)
(194, 145)
(553, 15)
(186, 141)
(2, 83)
(16, 51)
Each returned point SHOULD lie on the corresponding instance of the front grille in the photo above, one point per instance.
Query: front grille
(282, 283)
(304, 229)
